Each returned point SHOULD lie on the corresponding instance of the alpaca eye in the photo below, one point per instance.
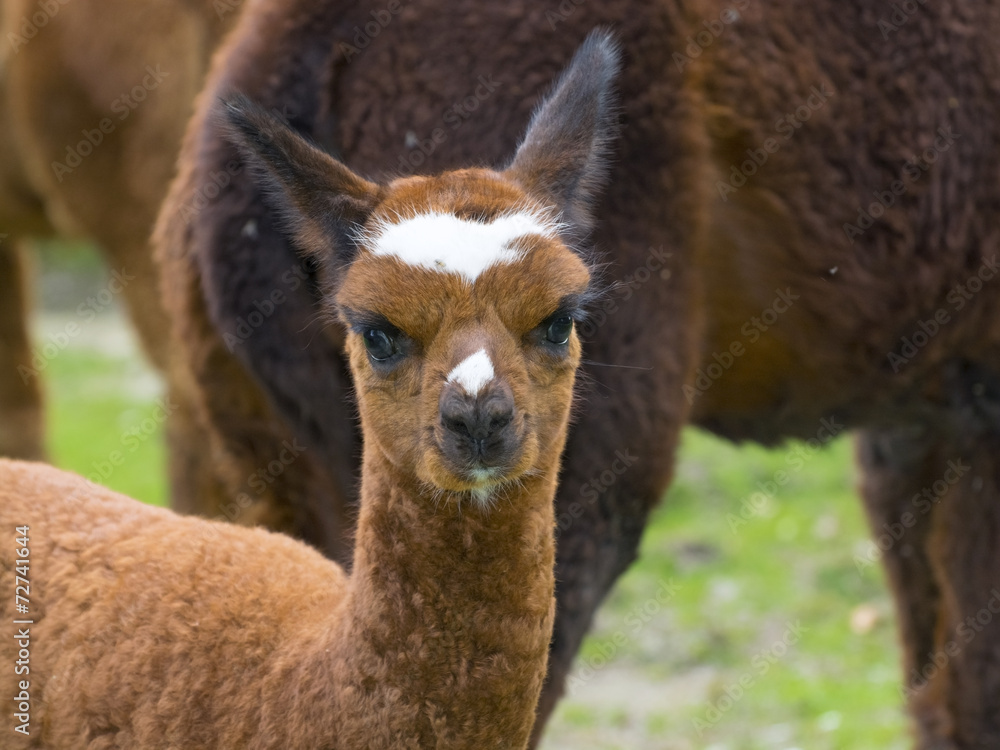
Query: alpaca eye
(379, 344)
(559, 330)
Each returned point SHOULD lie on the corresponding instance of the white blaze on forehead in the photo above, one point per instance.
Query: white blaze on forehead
(473, 372)
(446, 243)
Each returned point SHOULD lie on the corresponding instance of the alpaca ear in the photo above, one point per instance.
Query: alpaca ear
(321, 201)
(563, 158)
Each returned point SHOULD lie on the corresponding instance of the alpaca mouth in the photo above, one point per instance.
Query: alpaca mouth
(480, 476)
(485, 481)
(486, 476)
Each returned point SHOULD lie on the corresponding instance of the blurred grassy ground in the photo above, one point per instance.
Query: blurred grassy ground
(101, 393)
(766, 636)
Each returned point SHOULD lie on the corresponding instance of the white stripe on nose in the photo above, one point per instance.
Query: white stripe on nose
(473, 372)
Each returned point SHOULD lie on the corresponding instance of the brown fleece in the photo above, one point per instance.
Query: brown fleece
(158, 631)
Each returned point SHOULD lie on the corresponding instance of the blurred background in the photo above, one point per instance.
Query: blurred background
(746, 624)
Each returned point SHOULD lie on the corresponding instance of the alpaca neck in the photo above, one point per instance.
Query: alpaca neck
(451, 608)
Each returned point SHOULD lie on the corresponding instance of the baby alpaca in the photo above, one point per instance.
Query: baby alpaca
(460, 294)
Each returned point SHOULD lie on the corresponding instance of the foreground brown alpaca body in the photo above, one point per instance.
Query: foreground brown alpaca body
(118, 77)
(266, 644)
(150, 630)
(764, 282)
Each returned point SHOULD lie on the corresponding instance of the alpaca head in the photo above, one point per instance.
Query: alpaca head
(459, 291)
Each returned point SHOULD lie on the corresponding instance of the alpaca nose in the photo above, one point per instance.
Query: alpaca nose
(478, 425)
(476, 420)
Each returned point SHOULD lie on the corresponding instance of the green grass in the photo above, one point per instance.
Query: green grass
(740, 587)
(99, 426)
(650, 671)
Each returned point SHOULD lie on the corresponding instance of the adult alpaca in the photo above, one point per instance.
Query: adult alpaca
(460, 293)
(94, 97)
(715, 206)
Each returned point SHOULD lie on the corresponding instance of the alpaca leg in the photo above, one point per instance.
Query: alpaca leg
(21, 415)
(945, 572)
(195, 488)
(896, 465)
(965, 552)
(135, 281)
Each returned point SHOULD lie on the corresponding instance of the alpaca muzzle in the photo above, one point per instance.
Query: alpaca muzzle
(478, 430)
